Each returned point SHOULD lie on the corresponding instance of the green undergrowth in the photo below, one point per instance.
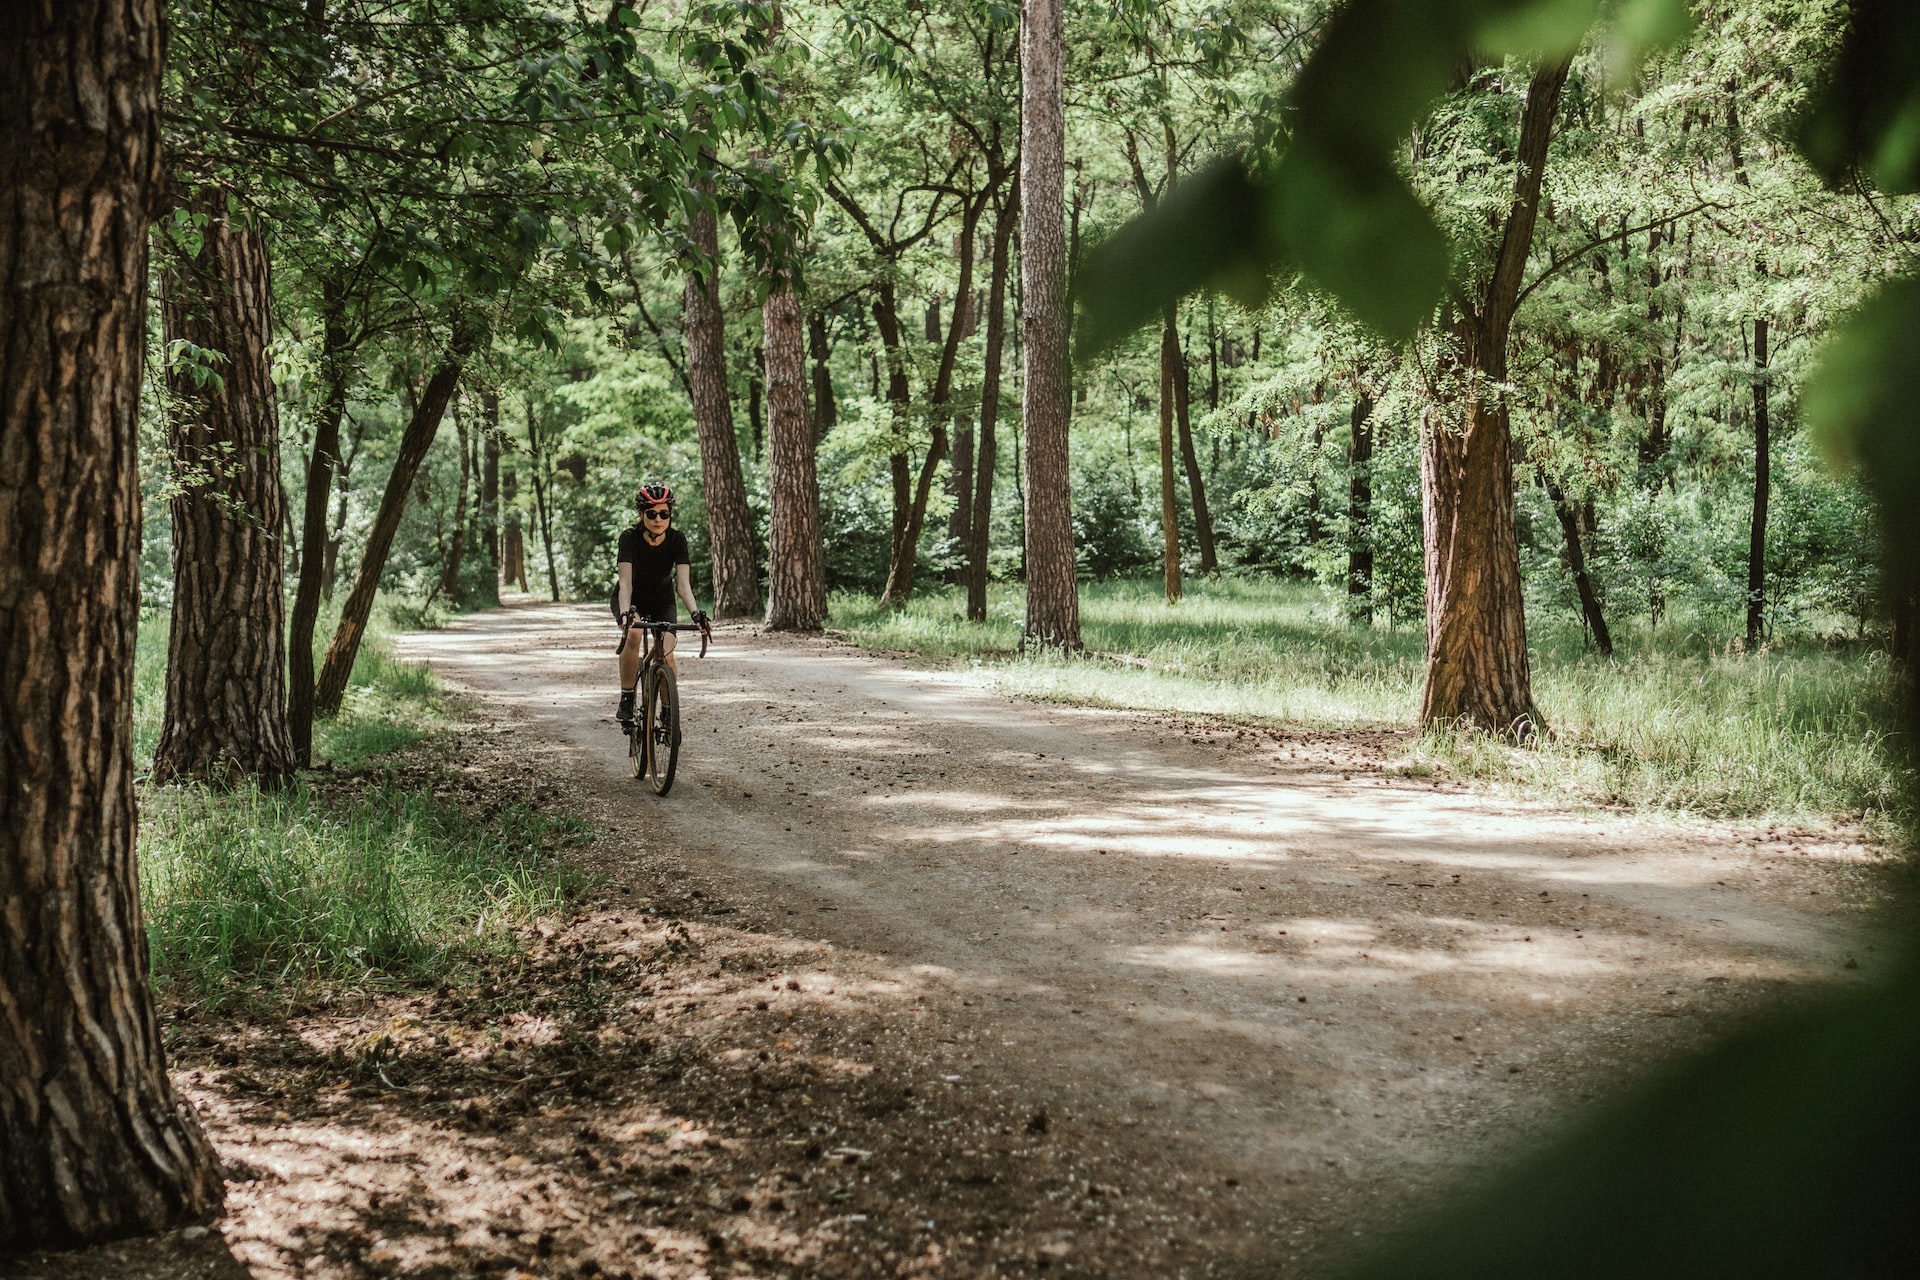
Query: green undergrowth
(1680, 722)
(370, 872)
(251, 892)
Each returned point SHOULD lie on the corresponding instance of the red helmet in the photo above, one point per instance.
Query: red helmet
(653, 494)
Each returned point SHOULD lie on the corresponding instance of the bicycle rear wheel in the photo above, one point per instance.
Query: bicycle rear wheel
(662, 730)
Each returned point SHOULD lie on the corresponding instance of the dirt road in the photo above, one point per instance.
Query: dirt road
(1288, 990)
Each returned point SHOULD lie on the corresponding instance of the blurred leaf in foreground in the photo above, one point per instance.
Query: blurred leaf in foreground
(1867, 114)
(1333, 205)
(1787, 1151)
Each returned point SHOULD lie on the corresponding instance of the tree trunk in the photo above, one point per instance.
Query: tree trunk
(490, 491)
(96, 1144)
(1360, 512)
(226, 706)
(1477, 666)
(1762, 473)
(542, 473)
(316, 566)
(450, 572)
(1169, 501)
(422, 426)
(1053, 599)
(986, 458)
(825, 412)
(513, 544)
(1190, 458)
(960, 485)
(736, 590)
(797, 566)
(1590, 610)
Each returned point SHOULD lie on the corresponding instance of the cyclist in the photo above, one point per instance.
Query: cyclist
(654, 568)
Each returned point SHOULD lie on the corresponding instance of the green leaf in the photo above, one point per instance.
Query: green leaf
(1867, 113)
(1358, 232)
(1863, 406)
(1206, 232)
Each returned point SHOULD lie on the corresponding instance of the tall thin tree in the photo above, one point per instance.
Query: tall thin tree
(1053, 598)
(796, 560)
(736, 589)
(96, 1143)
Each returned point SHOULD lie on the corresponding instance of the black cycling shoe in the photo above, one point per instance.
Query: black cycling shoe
(625, 714)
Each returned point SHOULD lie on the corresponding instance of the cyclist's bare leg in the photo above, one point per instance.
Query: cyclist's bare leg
(668, 651)
(630, 657)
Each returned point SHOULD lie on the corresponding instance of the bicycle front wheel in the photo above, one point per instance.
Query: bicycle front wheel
(662, 730)
(636, 747)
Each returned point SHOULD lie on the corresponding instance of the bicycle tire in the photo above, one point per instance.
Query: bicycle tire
(662, 730)
(636, 746)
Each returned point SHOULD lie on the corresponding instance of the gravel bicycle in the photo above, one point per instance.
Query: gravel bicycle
(653, 735)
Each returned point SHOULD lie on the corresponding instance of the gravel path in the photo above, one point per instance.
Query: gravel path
(1253, 965)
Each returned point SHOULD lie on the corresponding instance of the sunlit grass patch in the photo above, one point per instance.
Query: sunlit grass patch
(1679, 722)
(248, 890)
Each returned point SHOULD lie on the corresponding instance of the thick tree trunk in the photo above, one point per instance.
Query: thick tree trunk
(490, 491)
(1190, 458)
(987, 453)
(736, 589)
(1053, 598)
(94, 1144)
(1762, 482)
(797, 566)
(450, 572)
(1477, 667)
(1169, 500)
(1360, 512)
(316, 566)
(414, 443)
(226, 705)
(1570, 529)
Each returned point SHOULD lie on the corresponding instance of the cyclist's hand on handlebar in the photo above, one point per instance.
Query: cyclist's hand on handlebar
(701, 619)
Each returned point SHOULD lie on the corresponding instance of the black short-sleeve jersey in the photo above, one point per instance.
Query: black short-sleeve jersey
(653, 593)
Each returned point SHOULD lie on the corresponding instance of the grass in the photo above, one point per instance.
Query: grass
(248, 891)
(1680, 722)
(360, 876)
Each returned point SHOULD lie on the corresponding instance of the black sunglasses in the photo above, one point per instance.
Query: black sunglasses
(665, 513)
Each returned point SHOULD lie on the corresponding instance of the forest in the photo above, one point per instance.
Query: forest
(1502, 399)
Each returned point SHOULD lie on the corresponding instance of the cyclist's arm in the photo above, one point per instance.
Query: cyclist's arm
(683, 583)
(626, 587)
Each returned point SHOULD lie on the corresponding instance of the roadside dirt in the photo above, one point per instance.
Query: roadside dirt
(908, 979)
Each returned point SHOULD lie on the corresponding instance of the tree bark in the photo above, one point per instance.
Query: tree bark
(736, 590)
(422, 426)
(226, 704)
(490, 491)
(1190, 458)
(316, 565)
(986, 458)
(797, 566)
(1053, 599)
(1762, 478)
(1360, 511)
(1169, 501)
(1477, 667)
(960, 485)
(826, 413)
(1570, 529)
(450, 572)
(542, 474)
(96, 1143)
